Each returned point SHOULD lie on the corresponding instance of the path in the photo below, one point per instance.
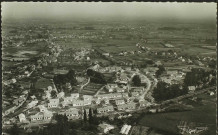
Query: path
(81, 88)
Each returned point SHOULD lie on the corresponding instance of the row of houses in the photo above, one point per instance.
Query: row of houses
(112, 96)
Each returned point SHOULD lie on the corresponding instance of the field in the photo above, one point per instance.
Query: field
(169, 121)
(91, 89)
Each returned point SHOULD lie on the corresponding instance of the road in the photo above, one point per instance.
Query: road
(99, 91)
(81, 88)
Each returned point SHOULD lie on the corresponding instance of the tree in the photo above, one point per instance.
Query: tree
(90, 116)
(90, 72)
(53, 94)
(136, 80)
(160, 70)
(85, 116)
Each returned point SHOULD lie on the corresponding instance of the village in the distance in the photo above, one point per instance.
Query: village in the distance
(108, 77)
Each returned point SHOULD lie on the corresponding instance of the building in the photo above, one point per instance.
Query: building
(125, 95)
(19, 100)
(105, 109)
(75, 95)
(106, 101)
(120, 90)
(61, 94)
(138, 89)
(106, 54)
(111, 87)
(120, 102)
(78, 103)
(71, 113)
(53, 103)
(134, 94)
(41, 116)
(22, 117)
(125, 129)
(42, 108)
(87, 97)
(105, 128)
(32, 104)
(126, 106)
(110, 96)
(10, 110)
(144, 103)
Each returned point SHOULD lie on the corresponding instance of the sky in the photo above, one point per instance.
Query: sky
(56, 10)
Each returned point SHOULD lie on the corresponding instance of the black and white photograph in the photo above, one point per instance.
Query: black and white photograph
(109, 68)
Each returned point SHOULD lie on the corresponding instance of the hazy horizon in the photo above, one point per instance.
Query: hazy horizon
(100, 10)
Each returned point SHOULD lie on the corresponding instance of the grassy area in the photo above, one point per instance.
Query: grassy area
(204, 113)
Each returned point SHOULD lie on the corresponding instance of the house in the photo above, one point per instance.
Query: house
(25, 92)
(75, 95)
(118, 89)
(97, 101)
(125, 95)
(32, 104)
(106, 101)
(10, 110)
(61, 94)
(105, 128)
(33, 97)
(42, 108)
(41, 116)
(22, 117)
(78, 103)
(72, 113)
(106, 54)
(138, 89)
(68, 100)
(19, 100)
(105, 109)
(125, 129)
(126, 106)
(120, 102)
(134, 94)
(123, 78)
(47, 94)
(110, 96)
(87, 97)
(144, 103)
(111, 87)
(53, 103)
(191, 89)
(87, 102)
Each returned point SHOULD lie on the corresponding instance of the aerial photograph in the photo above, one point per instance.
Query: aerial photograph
(109, 68)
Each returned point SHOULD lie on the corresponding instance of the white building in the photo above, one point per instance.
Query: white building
(105, 127)
(32, 104)
(22, 117)
(75, 95)
(120, 102)
(105, 109)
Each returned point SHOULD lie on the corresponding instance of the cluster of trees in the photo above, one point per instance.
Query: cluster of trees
(199, 76)
(164, 92)
(136, 80)
(63, 79)
(160, 71)
(91, 118)
(96, 77)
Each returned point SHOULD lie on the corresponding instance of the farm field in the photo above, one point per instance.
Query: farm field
(91, 89)
(168, 121)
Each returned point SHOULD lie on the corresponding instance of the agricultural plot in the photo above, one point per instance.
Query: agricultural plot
(169, 121)
(91, 89)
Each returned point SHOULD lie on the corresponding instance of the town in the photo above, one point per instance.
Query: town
(93, 79)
